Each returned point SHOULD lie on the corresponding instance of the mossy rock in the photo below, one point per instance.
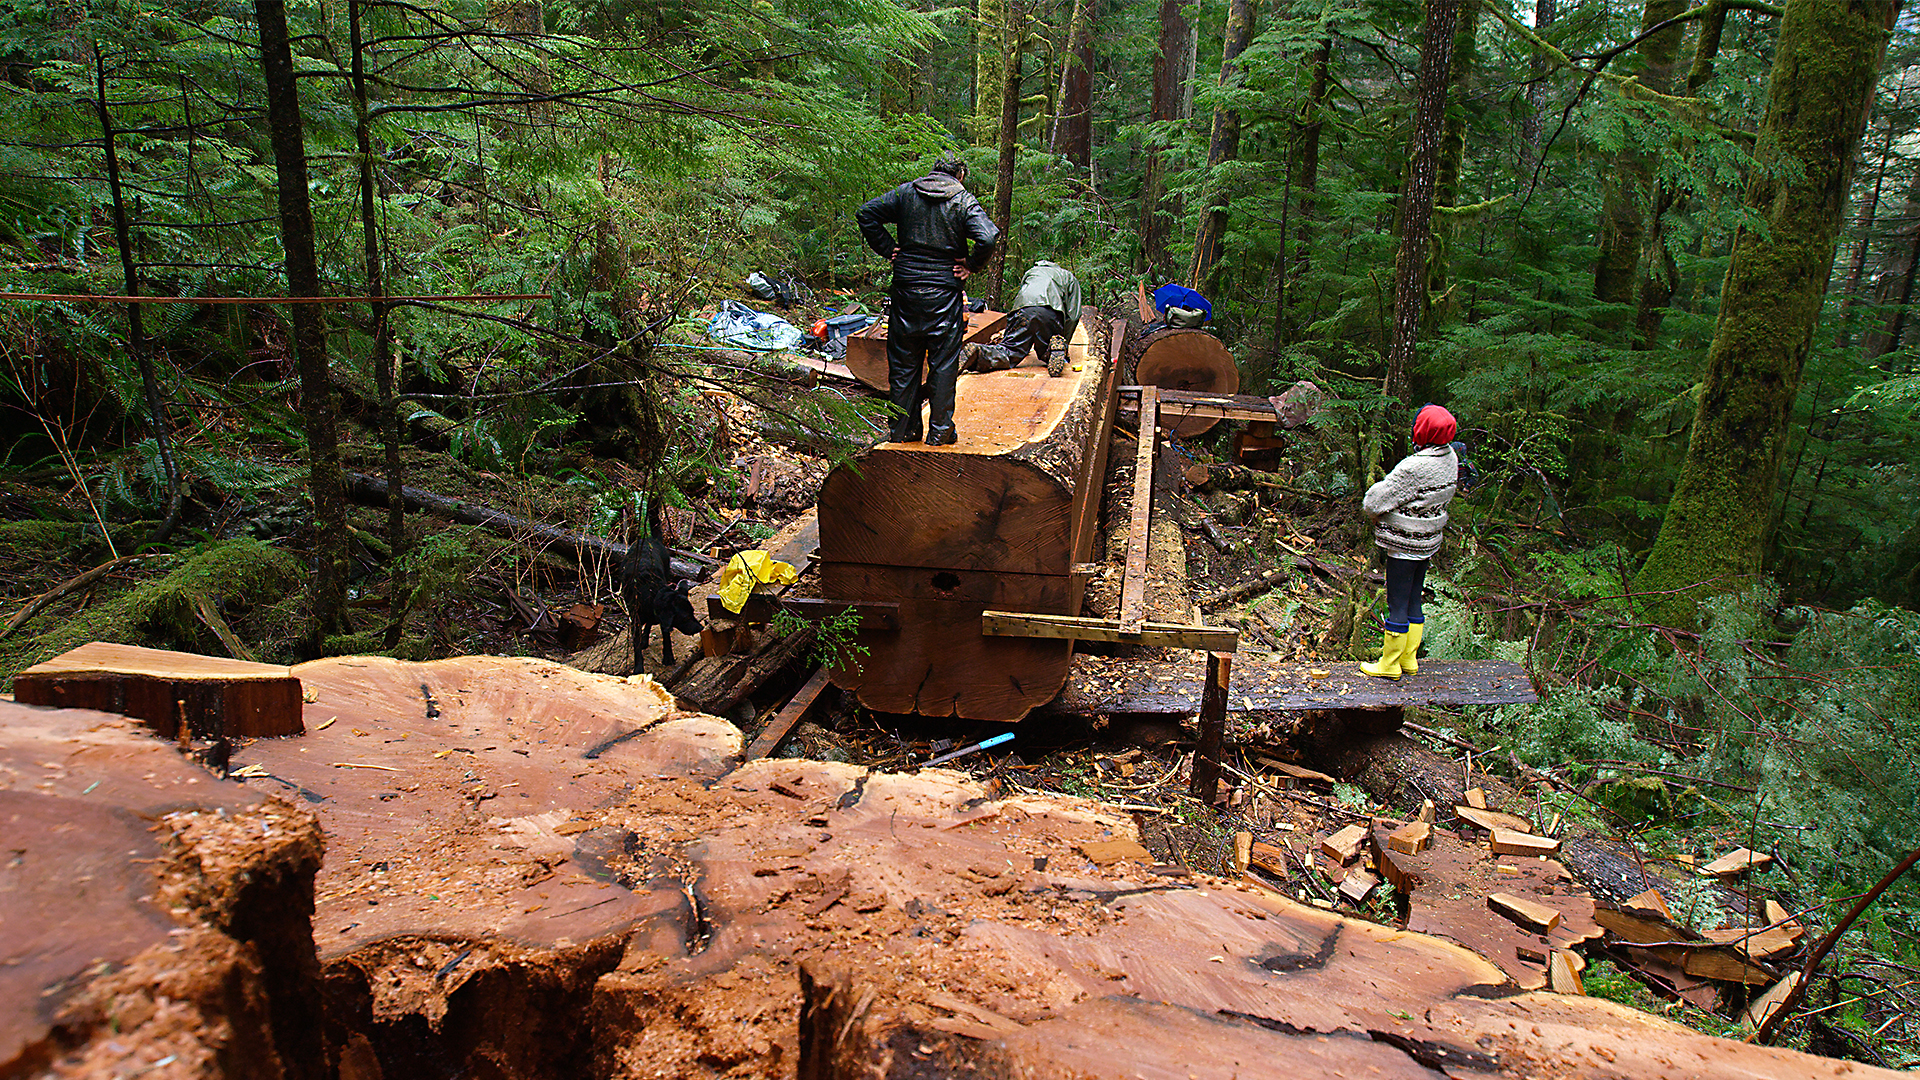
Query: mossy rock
(161, 614)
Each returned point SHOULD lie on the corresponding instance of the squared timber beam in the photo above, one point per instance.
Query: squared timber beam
(1133, 587)
(1223, 639)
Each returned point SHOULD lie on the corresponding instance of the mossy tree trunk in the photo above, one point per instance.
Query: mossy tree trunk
(1222, 147)
(1303, 178)
(326, 591)
(1172, 100)
(1073, 124)
(1825, 65)
(1623, 224)
(989, 69)
(1416, 201)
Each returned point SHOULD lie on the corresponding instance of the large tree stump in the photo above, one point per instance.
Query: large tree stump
(997, 521)
(214, 696)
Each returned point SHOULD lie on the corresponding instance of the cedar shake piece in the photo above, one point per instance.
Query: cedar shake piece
(1509, 842)
(1343, 845)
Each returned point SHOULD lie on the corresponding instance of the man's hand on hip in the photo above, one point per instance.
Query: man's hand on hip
(960, 272)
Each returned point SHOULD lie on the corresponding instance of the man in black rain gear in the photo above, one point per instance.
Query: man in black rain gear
(944, 237)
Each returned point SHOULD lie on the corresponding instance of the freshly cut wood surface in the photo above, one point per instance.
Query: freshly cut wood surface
(998, 520)
(1527, 913)
(1491, 820)
(1447, 887)
(1511, 842)
(625, 870)
(1182, 359)
(214, 695)
(1737, 861)
(1411, 838)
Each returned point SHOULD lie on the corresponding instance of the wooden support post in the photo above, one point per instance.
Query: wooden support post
(1133, 587)
(1213, 727)
(795, 711)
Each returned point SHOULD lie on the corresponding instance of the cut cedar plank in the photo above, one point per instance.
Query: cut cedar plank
(1133, 586)
(1512, 842)
(214, 695)
(1492, 819)
(1737, 861)
(795, 711)
(1650, 901)
(1357, 885)
(1563, 977)
(1296, 772)
(1476, 798)
(1525, 912)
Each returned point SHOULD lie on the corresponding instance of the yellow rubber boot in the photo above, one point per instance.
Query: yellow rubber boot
(1388, 666)
(1410, 660)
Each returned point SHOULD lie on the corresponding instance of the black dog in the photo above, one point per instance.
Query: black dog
(652, 596)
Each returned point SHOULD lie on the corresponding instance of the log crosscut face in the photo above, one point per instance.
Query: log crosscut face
(996, 521)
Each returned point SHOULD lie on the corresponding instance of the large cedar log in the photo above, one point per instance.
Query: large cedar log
(995, 521)
(1182, 359)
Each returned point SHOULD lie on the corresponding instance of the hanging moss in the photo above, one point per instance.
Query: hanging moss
(160, 614)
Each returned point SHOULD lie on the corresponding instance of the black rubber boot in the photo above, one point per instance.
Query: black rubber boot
(942, 436)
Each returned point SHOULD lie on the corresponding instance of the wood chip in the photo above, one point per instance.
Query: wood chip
(1492, 819)
(1650, 901)
(1242, 852)
(1509, 842)
(1108, 852)
(1298, 772)
(1737, 861)
(1764, 1005)
(1525, 912)
(1342, 846)
(1562, 976)
(1476, 798)
(1426, 811)
(1411, 838)
(1357, 884)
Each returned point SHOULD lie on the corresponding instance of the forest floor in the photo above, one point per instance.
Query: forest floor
(473, 590)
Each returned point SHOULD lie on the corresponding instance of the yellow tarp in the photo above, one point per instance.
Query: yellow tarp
(749, 571)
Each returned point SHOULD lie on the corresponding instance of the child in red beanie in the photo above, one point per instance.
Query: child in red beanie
(1408, 509)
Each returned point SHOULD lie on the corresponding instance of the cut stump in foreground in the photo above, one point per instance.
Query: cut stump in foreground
(616, 902)
(214, 695)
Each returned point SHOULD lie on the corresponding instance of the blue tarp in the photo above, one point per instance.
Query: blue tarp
(740, 326)
(1171, 295)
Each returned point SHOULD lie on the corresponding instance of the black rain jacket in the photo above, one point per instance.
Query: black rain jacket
(936, 218)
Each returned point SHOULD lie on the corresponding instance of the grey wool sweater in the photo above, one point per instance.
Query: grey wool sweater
(1410, 503)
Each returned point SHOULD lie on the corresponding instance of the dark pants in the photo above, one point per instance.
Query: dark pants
(1029, 329)
(925, 323)
(1405, 577)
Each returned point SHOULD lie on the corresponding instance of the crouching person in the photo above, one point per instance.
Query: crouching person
(1047, 306)
(1408, 509)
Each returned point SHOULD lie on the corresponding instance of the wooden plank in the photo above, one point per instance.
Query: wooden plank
(215, 696)
(1133, 587)
(1242, 852)
(1297, 772)
(1525, 912)
(1510, 842)
(795, 711)
(874, 614)
(1493, 819)
(1476, 798)
(1077, 628)
(1099, 684)
(1213, 727)
(1735, 862)
(1650, 901)
(1195, 403)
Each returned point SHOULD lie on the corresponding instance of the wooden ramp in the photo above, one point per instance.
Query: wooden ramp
(1098, 684)
(999, 521)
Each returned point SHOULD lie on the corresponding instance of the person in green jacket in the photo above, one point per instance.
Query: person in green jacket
(1047, 305)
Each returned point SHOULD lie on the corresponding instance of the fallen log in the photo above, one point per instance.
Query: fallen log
(78, 581)
(1235, 593)
(372, 491)
(998, 521)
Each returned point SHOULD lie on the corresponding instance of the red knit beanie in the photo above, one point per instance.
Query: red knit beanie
(1433, 427)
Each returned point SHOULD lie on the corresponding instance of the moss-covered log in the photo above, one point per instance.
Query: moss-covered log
(1822, 85)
